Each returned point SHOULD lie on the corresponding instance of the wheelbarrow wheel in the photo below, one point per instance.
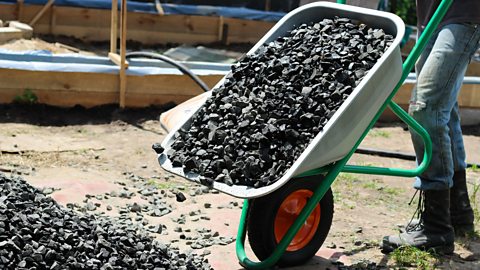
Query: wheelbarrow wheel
(272, 215)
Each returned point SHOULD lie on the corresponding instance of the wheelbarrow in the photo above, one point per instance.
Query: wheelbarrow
(288, 221)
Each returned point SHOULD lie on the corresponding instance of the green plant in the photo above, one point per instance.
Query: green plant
(346, 177)
(380, 133)
(474, 201)
(392, 191)
(474, 168)
(370, 185)
(405, 9)
(409, 256)
(28, 97)
(163, 184)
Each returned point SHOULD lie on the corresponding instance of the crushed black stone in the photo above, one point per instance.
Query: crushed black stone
(37, 233)
(253, 127)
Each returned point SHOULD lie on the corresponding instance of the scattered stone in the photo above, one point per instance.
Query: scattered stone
(43, 235)
(135, 208)
(90, 206)
(180, 197)
(331, 245)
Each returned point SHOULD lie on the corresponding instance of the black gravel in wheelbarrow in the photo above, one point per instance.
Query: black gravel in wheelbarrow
(37, 233)
(275, 102)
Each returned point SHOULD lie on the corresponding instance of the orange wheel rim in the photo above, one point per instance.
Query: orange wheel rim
(288, 212)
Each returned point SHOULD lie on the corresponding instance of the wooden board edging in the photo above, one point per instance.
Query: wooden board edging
(67, 89)
(94, 25)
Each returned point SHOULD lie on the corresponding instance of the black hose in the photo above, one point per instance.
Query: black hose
(172, 62)
(399, 155)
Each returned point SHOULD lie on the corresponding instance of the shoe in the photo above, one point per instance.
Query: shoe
(434, 232)
(461, 211)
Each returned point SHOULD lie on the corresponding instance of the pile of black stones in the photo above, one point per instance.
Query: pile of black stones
(37, 233)
(274, 102)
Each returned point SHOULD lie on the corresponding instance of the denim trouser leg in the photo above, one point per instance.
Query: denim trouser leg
(440, 72)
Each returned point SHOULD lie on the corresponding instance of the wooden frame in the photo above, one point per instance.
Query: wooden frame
(95, 25)
(92, 89)
(41, 12)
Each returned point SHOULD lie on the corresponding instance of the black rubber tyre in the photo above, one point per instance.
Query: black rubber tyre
(261, 222)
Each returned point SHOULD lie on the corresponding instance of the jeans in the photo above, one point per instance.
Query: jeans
(440, 71)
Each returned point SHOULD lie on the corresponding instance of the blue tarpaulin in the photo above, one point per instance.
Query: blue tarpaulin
(230, 12)
(46, 61)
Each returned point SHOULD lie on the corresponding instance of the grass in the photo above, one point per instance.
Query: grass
(380, 133)
(373, 185)
(392, 191)
(474, 202)
(345, 191)
(346, 177)
(408, 256)
(28, 97)
(370, 185)
(474, 168)
(162, 184)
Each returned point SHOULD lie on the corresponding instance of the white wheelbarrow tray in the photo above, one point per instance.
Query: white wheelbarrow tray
(352, 118)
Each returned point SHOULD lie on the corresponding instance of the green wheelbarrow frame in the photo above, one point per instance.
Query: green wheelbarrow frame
(331, 171)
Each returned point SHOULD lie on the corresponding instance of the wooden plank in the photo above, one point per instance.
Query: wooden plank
(92, 89)
(29, 13)
(41, 12)
(168, 84)
(173, 23)
(246, 31)
(140, 32)
(123, 49)
(473, 69)
(162, 84)
(221, 24)
(68, 47)
(19, 10)
(9, 12)
(56, 80)
(152, 99)
(469, 95)
(114, 27)
(9, 33)
(159, 8)
(53, 19)
(116, 59)
(62, 98)
(95, 25)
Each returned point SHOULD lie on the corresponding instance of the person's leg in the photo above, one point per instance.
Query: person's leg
(461, 212)
(456, 138)
(433, 100)
(435, 97)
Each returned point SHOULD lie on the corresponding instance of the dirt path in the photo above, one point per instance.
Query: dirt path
(98, 151)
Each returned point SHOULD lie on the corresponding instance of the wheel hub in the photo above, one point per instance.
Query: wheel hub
(288, 212)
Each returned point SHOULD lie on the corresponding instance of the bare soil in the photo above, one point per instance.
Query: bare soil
(80, 151)
(70, 45)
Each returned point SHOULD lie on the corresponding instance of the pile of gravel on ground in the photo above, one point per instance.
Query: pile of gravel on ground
(37, 233)
(275, 102)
